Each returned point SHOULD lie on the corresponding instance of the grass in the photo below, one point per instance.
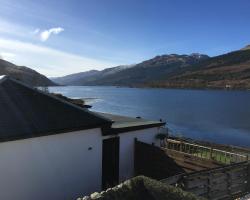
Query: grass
(207, 153)
(216, 156)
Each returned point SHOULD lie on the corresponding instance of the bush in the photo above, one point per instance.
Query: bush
(143, 188)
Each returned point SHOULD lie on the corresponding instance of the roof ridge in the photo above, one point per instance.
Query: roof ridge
(5, 78)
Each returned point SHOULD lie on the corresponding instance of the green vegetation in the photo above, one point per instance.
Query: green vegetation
(216, 156)
(221, 156)
(141, 187)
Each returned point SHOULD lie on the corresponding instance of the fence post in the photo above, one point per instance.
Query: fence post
(229, 182)
(248, 175)
(209, 185)
(211, 152)
(135, 157)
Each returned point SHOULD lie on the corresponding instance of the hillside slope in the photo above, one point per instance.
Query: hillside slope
(89, 77)
(24, 74)
(138, 75)
(231, 70)
(75, 79)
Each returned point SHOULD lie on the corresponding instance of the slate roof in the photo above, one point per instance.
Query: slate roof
(27, 112)
(123, 124)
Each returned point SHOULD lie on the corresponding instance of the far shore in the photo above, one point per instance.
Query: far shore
(157, 87)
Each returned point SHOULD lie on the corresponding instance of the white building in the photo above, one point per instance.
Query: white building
(52, 149)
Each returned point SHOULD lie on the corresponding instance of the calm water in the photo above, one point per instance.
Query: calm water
(219, 116)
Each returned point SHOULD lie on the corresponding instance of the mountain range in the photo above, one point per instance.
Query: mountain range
(24, 74)
(91, 76)
(133, 75)
(231, 70)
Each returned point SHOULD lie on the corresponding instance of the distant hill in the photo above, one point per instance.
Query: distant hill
(24, 74)
(75, 79)
(89, 77)
(134, 75)
(231, 71)
(246, 47)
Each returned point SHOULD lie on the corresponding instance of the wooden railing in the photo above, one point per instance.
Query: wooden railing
(229, 182)
(218, 155)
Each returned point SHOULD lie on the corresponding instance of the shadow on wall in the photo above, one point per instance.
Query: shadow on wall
(153, 162)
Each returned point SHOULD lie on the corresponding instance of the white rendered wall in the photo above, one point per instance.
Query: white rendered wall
(127, 149)
(56, 167)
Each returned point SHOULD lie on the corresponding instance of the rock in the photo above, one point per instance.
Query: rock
(95, 195)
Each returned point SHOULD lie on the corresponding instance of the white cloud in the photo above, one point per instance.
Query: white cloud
(49, 61)
(46, 34)
(27, 32)
(36, 31)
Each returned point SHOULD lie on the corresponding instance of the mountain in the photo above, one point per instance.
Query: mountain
(134, 75)
(246, 47)
(89, 77)
(75, 79)
(24, 74)
(231, 70)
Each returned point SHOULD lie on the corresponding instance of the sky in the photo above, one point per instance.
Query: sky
(60, 37)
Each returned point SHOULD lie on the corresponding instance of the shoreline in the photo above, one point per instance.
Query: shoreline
(168, 88)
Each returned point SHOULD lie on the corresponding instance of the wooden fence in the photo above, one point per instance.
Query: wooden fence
(160, 163)
(153, 162)
(228, 182)
(212, 176)
(190, 163)
(229, 148)
(218, 155)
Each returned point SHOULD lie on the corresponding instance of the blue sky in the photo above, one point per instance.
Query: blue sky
(67, 36)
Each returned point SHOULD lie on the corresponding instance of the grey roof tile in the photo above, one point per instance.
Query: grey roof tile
(26, 112)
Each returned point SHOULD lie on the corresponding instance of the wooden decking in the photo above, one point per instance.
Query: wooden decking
(228, 182)
(191, 163)
(213, 173)
(159, 163)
